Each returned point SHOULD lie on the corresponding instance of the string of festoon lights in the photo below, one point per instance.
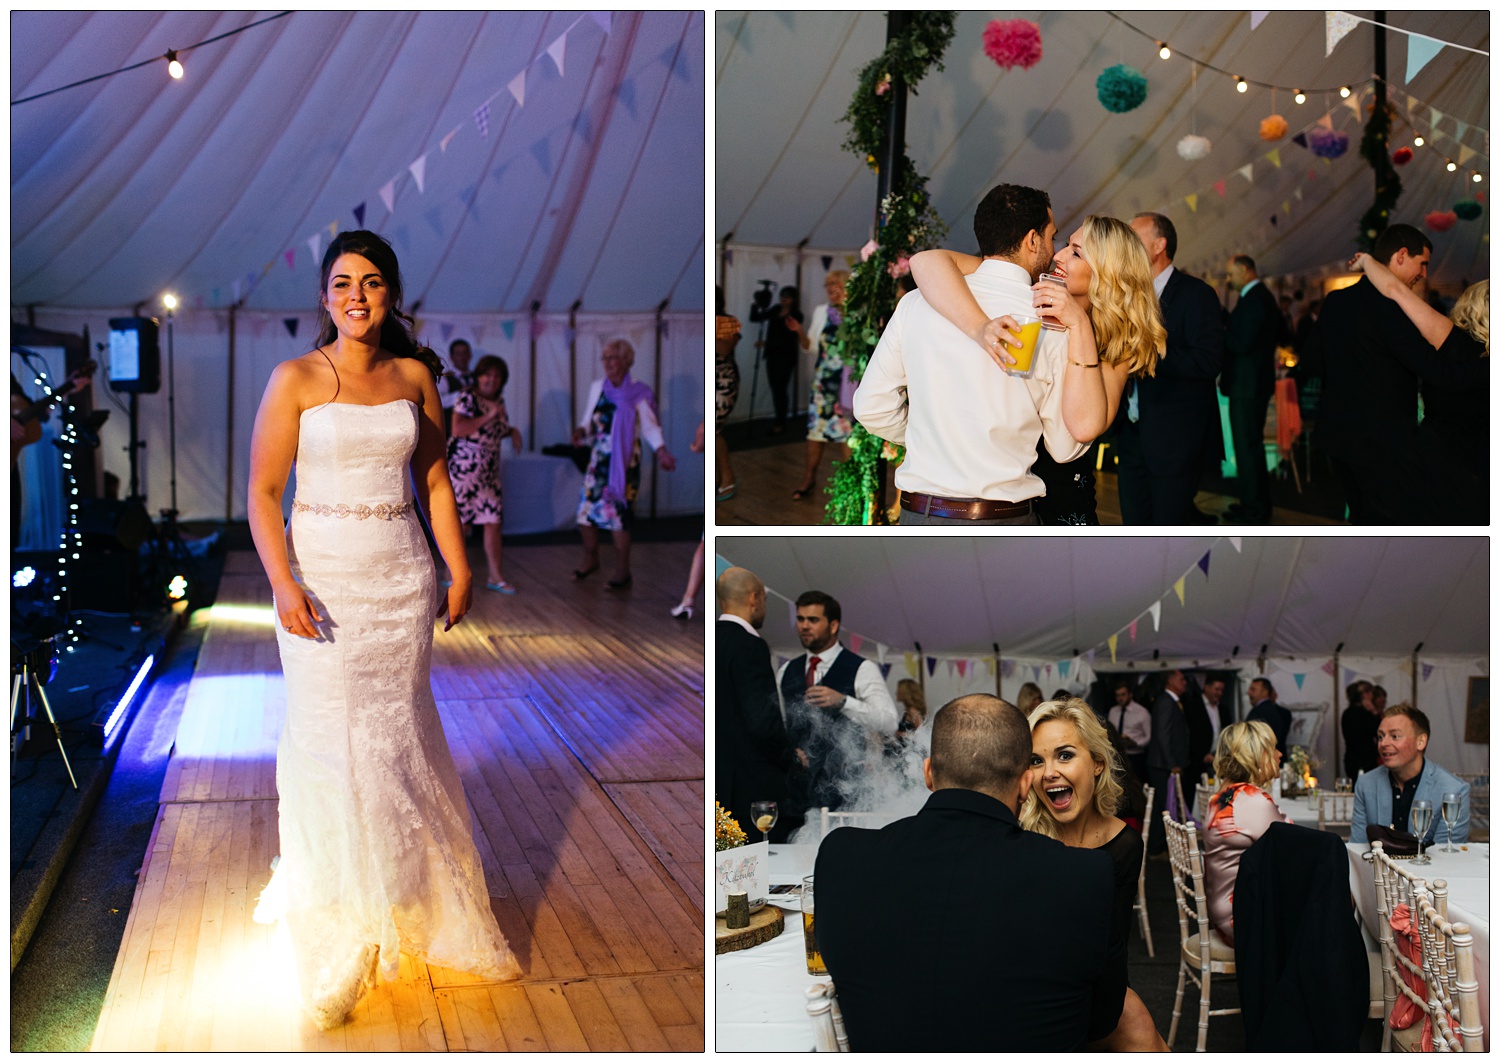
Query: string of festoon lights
(70, 539)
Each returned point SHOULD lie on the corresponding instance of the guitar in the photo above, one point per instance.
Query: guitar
(24, 427)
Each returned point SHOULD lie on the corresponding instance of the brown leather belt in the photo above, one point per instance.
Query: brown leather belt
(963, 508)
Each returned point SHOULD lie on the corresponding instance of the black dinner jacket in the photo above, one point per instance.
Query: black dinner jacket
(1371, 358)
(1171, 741)
(1179, 409)
(1250, 340)
(1279, 719)
(752, 757)
(955, 930)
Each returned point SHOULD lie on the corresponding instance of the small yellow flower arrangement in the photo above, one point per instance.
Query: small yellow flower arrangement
(727, 833)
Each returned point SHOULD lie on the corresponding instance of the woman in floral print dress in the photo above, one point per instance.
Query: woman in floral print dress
(479, 426)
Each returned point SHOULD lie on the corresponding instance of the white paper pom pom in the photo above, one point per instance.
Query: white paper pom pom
(1192, 147)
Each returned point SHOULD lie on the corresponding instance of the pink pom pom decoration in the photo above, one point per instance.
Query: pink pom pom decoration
(1015, 42)
(1272, 128)
(1440, 221)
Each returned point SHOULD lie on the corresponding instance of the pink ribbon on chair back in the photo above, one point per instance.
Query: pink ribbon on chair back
(1406, 1010)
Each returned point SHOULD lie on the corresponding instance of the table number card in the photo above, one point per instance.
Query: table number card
(743, 869)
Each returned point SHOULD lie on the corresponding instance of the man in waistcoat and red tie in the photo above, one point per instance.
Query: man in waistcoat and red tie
(832, 699)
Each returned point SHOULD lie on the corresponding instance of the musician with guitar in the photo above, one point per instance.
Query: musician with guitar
(26, 419)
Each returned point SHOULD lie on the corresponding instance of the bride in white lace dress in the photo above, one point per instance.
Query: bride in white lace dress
(377, 854)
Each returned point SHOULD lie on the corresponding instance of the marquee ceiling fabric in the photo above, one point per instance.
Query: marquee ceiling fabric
(782, 80)
(1053, 596)
(582, 179)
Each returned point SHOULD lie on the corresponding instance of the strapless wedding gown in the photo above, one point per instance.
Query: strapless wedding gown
(377, 854)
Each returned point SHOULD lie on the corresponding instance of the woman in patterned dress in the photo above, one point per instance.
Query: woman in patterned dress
(479, 424)
(617, 409)
(726, 392)
(827, 420)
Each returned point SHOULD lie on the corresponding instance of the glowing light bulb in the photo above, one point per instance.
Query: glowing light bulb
(1478, 177)
(1344, 91)
(173, 66)
(1301, 96)
(1452, 165)
(1240, 85)
(169, 301)
(1418, 141)
(1165, 52)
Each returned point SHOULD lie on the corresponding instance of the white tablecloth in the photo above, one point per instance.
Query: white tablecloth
(1468, 876)
(760, 1003)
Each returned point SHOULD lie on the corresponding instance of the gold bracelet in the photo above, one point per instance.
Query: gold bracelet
(1085, 365)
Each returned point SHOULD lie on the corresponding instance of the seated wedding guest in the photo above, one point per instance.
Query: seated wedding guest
(1133, 720)
(1377, 698)
(1384, 797)
(1017, 956)
(1075, 795)
(832, 700)
(1028, 698)
(1453, 440)
(1238, 814)
(1359, 723)
(1262, 697)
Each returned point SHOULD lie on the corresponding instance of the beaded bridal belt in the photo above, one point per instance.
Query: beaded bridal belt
(380, 511)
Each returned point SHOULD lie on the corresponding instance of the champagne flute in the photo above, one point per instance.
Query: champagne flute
(765, 814)
(1450, 816)
(1421, 819)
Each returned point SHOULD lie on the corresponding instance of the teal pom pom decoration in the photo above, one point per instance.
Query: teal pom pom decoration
(1468, 209)
(1121, 88)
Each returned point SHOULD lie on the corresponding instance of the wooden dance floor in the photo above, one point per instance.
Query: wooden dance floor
(576, 718)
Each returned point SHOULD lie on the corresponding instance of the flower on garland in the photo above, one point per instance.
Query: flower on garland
(1273, 127)
(727, 833)
(1468, 209)
(1121, 88)
(1326, 144)
(1440, 221)
(901, 267)
(1013, 43)
(1401, 156)
(1193, 147)
(883, 85)
(868, 250)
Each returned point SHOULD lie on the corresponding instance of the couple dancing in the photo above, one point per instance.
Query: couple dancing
(970, 427)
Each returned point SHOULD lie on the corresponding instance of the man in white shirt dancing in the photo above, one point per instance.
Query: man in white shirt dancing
(831, 699)
(969, 428)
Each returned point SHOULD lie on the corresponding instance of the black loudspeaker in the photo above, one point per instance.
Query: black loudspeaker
(109, 524)
(134, 355)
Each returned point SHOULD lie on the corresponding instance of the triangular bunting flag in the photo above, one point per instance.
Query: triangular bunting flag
(1007, 668)
(447, 328)
(467, 196)
(555, 51)
(1036, 671)
(482, 119)
(517, 88)
(601, 18)
(1326, 121)
(419, 173)
(1426, 672)
(1155, 612)
(479, 331)
(950, 668)
(291, 257)
(216, 297)
(359, 213)
(1465, 153)
(963, 666)
(1460, 128)
(1436, 117)
(1406, 667)
(1113, 642)
(291, 325)
(885, 670)
(434, 218)
(1328, 667)
(1132, 628)
(1299, 676)
(1181, 588)
(542, 155)
(333, 227)
(1192, 202)
(1349, 674)
(1300, 140)
(1246, 171)
(1049, 671)
(1064, 667)
(1297, 194)
(1286, 207)
(791, 614)
(388, 195)
(509, 328)
(1411, 103)
(989, 665)
(1275, 156)
(827, 261)
(931, 665)
(314, 246)
(1256, 18)
(911, 664)
(1353, 102)
(855, 642)
(1336, 26)
(1203, 563)
(235, 287)
(443, 144)
(1219, 187)
(1273, 219)
(1419, 52)
(1234, 541)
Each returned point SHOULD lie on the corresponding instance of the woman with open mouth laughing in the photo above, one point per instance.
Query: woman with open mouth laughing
(1074, 795)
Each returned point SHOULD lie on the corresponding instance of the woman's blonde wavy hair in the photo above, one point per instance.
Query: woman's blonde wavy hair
(1123, 307)
(1035, 815)
(1246, 753)
(1472, 313)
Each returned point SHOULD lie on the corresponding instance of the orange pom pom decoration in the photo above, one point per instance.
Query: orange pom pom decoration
(1273, 128)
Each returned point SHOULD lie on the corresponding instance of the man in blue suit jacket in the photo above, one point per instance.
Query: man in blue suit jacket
(1264, 707)
(1384, 796)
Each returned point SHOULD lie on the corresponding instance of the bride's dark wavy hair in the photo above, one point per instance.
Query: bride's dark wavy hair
(396, 329)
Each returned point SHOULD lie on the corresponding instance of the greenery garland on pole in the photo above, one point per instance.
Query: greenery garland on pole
(1373, 149)
(908, 224)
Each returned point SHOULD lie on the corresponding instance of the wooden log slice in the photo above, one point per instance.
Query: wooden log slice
(764, 925)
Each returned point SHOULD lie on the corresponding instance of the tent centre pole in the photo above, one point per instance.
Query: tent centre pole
(656, 380)
(536, 306)
(998, 694)
(1337, 760)
(573, 356)
(229, 425)
(921, 670)
(1415, 665)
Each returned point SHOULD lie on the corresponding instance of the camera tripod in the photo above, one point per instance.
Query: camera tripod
(24, 668)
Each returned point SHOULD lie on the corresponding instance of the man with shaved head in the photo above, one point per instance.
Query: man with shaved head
(753, 760)
(1008, 932)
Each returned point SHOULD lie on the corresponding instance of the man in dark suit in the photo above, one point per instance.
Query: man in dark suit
(1170, 746)
(1249, 379)
(1200, 739)
(1167, 427)
(753, 760)
(1263, 697)
(1371, 358)
(1006, 932)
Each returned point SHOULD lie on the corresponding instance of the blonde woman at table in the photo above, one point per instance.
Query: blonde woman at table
(1239, 813)
(1075, 793)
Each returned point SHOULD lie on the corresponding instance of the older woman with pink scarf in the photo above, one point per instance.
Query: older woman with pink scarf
(617, 412)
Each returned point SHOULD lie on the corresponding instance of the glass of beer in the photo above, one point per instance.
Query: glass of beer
(815, 963)
(1031, 328)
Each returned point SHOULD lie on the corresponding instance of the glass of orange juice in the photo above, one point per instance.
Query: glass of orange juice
(1031, 328)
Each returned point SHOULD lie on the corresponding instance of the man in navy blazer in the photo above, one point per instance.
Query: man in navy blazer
(1262, 697)
(954, 930)
(1249, 379)
(1384, 796)
(1167, 428)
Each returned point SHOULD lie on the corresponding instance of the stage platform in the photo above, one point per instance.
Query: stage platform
(576, 718)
